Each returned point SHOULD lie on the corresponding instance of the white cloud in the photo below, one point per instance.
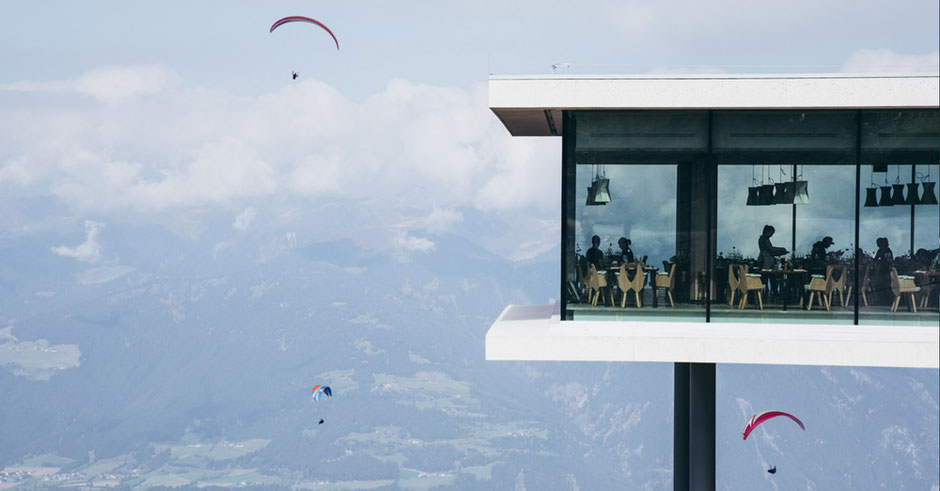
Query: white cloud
(442, 220)
(37, 360)
(88, 251)
(110, 85)
(409, 243)
(887, 61)
(243, 220)
(103, 274)
(417, 145)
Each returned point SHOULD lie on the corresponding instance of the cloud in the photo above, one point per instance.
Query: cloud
(409, 243)
(110, 84)
(244, 219)
(103, 274)
(887, 61)
(36, 360)
(417, 145)
(88, 251)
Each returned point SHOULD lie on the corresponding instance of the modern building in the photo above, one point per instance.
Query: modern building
(760, 219)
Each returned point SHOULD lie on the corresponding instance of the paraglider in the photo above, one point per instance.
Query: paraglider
(294, 75)
(321, 421)
(320, 390)
(772, 470)
(759, 418)
(297, 18)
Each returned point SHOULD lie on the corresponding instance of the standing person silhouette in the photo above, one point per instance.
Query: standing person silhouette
(767, 250)
(881, 271)
(625, 252)
(595, 255)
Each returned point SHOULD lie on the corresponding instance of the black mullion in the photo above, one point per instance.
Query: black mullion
(710, 166)
(567, 147)
(858, 183)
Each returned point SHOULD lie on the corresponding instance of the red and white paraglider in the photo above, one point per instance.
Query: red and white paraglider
(759, 418)
(298, 18)
(308, 20)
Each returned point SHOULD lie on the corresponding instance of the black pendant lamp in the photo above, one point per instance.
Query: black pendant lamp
(885, 197)
(766, 194)
(930, 196)
(912, 198)
(590, 197)
(871, 193)
(752, 198)
(897, 195)
(871, 197)
(752, 195)
(780, 194)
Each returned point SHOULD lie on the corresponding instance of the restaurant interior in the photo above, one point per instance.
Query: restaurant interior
(759, 216)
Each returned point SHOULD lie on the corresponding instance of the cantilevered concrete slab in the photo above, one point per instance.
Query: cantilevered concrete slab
(532, 105)
(534, 333)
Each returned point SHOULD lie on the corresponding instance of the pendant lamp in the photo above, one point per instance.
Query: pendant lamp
(599, 191)
(752, 198)
(912, 198)
(801, 190)
(602, 191)
(781, 196)
(871, 197)
(871, 193)
(897, 196)
(930, 196)
(590, 197)
(766, 194)
(885, 197)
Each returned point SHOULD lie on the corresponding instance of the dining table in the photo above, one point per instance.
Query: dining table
(786, 285)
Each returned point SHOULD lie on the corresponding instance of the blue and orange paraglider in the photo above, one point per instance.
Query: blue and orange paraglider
(320, 390)
(759, 418)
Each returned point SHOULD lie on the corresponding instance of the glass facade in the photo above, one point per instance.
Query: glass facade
(778, 216)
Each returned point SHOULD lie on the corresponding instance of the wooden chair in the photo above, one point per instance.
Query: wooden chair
(863, 287)
(748, 283)
(597, 284)
(627, 285)
(667, 281)
(838, 285)
(824, 286)
(900, 286)
(581, 268)
(927, 289)
(732, 282)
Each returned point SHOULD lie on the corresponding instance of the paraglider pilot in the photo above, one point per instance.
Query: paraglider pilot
(294, 75)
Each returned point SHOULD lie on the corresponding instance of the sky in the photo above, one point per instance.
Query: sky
(170, 112)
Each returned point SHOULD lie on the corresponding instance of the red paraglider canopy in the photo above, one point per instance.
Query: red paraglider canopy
(759, 418)
(297, 18)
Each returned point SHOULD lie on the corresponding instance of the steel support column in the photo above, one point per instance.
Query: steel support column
(694, 427)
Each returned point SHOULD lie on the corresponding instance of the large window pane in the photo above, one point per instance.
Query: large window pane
(634, 221)
(899, 244)
(796, 244)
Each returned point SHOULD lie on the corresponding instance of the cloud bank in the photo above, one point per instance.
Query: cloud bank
(166, 147)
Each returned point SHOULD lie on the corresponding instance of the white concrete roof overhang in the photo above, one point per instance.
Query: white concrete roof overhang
(532, 105)
(534, 333)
